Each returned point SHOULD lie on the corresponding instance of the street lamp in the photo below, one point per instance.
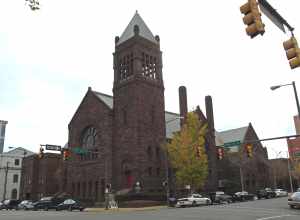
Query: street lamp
(295, 92)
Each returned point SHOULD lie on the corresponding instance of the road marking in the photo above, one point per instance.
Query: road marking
(272, 217)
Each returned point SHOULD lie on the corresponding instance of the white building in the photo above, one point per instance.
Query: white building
(10, 172)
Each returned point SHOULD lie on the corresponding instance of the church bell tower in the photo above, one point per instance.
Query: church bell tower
(139, 111)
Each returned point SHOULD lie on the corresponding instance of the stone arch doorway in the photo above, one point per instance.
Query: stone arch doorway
(127, 174)
(128, 178)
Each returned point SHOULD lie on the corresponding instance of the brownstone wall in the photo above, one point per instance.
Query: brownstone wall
(86, 178)
(40, 176)
(256, 171)
(139, 120)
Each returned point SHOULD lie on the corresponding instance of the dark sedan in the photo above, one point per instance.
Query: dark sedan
(47, 203)
(70, 204)
(10, 204)
(243, 196)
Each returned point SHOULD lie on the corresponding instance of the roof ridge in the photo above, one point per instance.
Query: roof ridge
(172, 113)
(144, 30)
(110, 96)
(233, 129)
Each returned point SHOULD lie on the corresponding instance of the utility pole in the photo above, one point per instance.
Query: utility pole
(5, 180)
(242, 179)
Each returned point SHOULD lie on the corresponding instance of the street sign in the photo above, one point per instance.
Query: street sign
(232, 144)
(53, 147)
(79, 150)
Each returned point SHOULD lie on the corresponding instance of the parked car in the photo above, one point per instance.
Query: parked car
(9, 204)
(220, 197)
(266, 193)
(47, 203)
(193, 200)
(280, 192)
(243, 196)
(26, 205)
(70, 204)
(172, 201)
(294, 200)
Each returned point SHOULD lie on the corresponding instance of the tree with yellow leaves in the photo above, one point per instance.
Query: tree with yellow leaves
(187, 154)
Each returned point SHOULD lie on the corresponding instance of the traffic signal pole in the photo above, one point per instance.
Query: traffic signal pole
(265, 139)
(241, 176)
(296, 97)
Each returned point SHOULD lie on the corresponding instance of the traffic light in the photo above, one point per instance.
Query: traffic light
(220, 153)
(41, 153)
(249, 150)
(198, 152)
(66, 154)
(292, 52)
(252, 18)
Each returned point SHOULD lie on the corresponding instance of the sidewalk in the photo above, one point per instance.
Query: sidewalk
(151, 208)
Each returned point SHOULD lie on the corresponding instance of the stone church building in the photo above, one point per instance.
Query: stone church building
(123, 133)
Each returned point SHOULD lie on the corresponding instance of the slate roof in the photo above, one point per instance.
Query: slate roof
(173, 124)
(172, 119)
(107, 99)
(144, 30)
(237, 134)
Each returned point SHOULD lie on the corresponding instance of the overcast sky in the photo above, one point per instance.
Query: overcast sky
(49, 58)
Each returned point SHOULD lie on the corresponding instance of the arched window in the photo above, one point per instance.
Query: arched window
(14, 194)
(89, 138)
(89, 142)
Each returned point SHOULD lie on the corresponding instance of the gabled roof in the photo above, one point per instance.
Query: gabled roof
(144, 31)
(237, 134)
(19, 151)
(107, 99)
(172, 119)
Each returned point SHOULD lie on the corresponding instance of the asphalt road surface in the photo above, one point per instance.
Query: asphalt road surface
(267, 209)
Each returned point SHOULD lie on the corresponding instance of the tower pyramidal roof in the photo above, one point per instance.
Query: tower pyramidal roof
(144, 31)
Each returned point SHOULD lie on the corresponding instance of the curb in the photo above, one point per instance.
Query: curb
(152, 208)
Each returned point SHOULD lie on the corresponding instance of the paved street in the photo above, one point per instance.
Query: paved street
(258, 210)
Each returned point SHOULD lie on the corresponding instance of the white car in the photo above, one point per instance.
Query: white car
(280, 192)
(193, 200)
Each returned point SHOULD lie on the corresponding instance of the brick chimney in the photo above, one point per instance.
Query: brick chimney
(210, 115)
(182, 104)
(210, 138)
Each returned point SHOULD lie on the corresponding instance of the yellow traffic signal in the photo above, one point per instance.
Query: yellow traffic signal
(66, 154)
(249, 150)
(292, 52)
(252, 18)
(198, 151)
